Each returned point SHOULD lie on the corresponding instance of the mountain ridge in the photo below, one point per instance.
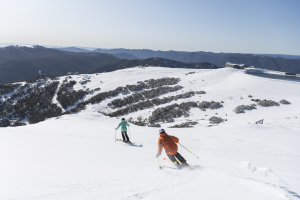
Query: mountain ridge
(21, 63)
(220, 59)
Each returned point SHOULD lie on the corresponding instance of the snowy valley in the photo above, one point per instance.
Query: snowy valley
(57, 136)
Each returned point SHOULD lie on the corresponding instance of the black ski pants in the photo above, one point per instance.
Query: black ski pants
(178, 156)
(125, 136)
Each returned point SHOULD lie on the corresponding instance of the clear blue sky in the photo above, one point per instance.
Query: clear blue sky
(254, 26)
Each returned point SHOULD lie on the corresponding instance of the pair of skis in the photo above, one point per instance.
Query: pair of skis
(181, 165)
(124, 141)
(130, 143)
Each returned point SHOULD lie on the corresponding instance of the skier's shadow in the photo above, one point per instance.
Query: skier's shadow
(181, 167)
(169, 167)
(134, 145)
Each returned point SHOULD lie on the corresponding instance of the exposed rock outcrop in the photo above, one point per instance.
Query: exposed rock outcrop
(148, 104)
(212, 105)
(215, 120)
(148, 94)
(283, 101)
(168, 113)
(67, 96)
(184, 125)
(267, 103)
(242, 108)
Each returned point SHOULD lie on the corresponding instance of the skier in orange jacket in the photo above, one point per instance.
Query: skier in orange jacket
(168, 142)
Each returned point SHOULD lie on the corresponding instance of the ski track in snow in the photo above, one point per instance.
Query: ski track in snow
(75, 156)
(54, 100)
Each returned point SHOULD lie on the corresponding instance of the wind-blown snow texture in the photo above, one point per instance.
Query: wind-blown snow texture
(76, 157)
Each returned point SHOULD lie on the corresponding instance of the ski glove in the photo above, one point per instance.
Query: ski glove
(157, 155)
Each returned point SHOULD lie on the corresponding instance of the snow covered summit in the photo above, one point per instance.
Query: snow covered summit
(73, 154)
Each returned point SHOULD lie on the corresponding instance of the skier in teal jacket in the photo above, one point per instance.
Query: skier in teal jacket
(124, 125)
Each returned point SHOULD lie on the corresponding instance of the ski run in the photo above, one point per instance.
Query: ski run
(76, 157)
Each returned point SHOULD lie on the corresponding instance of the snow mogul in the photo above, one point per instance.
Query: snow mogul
(124, 125)
(168, 142)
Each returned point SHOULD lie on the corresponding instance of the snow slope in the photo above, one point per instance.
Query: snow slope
(76, 156)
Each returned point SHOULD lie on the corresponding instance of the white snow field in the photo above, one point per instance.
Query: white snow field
(75, 157)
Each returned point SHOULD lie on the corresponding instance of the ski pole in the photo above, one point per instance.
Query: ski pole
(189, 151)
(159, 163)
(115, 135)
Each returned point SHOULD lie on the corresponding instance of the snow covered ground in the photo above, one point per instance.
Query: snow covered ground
(76, 157)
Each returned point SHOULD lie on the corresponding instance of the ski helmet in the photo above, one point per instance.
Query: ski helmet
(123, 118)
(161, 131)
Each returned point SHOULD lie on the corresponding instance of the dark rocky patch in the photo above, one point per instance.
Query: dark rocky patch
(67, 96)
(152, 83)
(158, 101)
(267, 103)
(168, 113)
(8, 88)
(139, 122)
(215, 120)
(190, 73)
(138, 87)
(184, 125)
(201, 92)
(94, 90)
(104, 95)
(80, 106)
(33, 101)
(154, 125)
(215, 105)
(19, 123)
(148, 94)
(24, 90)
(162, 81)
(84, 82)
(255, 100)
(4, 123)
(212, 105)
(283, 101)
(203, 105)
(130, 109)
(148, 104)
(35, 106)
(242, 108)
(192, 122)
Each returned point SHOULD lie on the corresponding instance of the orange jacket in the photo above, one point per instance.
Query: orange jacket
(168, 142)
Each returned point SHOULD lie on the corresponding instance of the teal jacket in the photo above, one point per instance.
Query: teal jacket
(123, 125)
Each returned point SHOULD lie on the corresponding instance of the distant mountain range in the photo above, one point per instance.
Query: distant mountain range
(23, 62)
(125, 56)
(73, 49)
(20, 63)
(280, 56)
(278, 62)
(220, 59)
